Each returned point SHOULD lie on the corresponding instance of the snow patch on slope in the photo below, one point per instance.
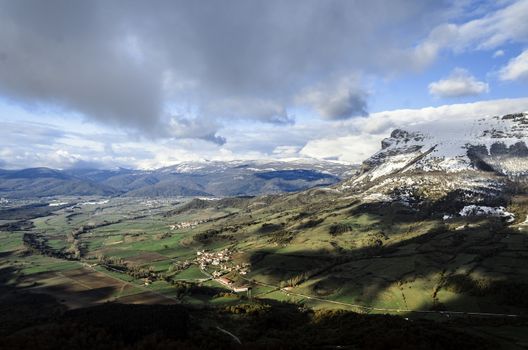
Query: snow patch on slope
(476, 210)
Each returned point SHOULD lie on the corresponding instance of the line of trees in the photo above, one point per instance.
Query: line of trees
(133, 270)
(38, 243)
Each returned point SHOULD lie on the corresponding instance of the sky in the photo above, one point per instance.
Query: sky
(147, 84)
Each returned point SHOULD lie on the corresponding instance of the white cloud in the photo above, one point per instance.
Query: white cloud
(352, 149)
(286, 151)
(121, 66)
(516, 69)
(350, 140)
(505, 25)
(122, 63)
(365, 134)
(458, 84)
(498, 53)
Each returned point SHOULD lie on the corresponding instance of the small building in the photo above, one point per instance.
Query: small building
(225, 281)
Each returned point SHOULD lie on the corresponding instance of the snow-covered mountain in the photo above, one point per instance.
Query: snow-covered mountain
(469, 160)
(497, 144)
(254, 166)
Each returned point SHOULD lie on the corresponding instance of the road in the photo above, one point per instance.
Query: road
(235, 338)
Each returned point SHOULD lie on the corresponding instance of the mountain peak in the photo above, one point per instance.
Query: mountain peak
(497, 144)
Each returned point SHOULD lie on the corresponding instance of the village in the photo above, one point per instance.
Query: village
(222, 263)
(185, 225)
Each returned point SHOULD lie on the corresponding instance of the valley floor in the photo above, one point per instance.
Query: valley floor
(314, 250)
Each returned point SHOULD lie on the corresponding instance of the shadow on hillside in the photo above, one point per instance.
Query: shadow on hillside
(31, 320)
(477, 267)
(32, 316)
(37, 321)
(4, 255)
(66, 291)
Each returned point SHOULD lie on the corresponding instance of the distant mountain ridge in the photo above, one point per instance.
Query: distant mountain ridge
(215, 178)
(44, 182)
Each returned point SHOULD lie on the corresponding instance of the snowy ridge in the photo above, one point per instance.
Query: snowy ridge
(447, 164)
(256, 166)
(497, 144)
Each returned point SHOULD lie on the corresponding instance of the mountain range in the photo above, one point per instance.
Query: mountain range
(431, 159)
(208, 178)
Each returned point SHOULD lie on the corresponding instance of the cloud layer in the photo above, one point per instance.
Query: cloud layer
(133, 64)
(35, 144)
(364, 135)
(148, 84)
(459, 83)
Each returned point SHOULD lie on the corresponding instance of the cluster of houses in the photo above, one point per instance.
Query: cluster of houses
(205, 258)
(185, 224)
(152, 202)
(221, 261)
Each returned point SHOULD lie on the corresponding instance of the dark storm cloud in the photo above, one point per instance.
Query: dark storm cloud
(196, 128)
(67, 53)
(344, 107)
(122, 62)
(338, 100)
